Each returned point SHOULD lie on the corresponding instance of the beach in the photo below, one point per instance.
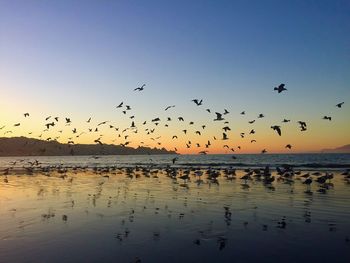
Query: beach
(186, 214)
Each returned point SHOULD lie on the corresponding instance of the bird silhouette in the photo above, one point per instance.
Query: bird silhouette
(280, 88)
(167, 108)
(140, 88)
(102, 123)
(197, 102)
(277, 129)
(26, 114)
(339, 105)
(218, 117)
(327, 118)
(288, 146)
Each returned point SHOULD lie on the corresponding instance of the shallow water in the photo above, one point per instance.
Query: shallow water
(89, 217)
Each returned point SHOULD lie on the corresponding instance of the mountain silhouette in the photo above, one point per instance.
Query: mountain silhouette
(23, 146)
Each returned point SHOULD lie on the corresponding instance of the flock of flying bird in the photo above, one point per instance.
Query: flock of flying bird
(50, 123)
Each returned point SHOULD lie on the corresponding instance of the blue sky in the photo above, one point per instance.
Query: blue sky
(84, 57)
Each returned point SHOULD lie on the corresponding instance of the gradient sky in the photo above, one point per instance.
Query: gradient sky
(80, 59)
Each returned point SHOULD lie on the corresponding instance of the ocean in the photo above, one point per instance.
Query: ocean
(334, 161)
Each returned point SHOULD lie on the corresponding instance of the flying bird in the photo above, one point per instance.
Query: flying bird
(327, 118)
(102, 123)
(140, 88)
(218, 117)
(339, 105)
(280, 88)
(288, 146)
(167, 108)
(277, 129)
(198, 102)
(26, 114)
(120, 105)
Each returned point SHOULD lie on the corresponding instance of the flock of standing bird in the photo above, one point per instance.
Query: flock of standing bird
(150, 128)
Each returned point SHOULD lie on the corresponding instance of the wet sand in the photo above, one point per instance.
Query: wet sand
(123, 215)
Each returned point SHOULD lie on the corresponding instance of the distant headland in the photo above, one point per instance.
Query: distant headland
(342, 149)
(23, 146)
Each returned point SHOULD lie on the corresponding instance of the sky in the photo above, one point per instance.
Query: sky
(80, 59)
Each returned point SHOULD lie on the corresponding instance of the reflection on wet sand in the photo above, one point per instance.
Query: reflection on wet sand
(173, 214)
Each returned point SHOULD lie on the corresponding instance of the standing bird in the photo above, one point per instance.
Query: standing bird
(280, 88)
